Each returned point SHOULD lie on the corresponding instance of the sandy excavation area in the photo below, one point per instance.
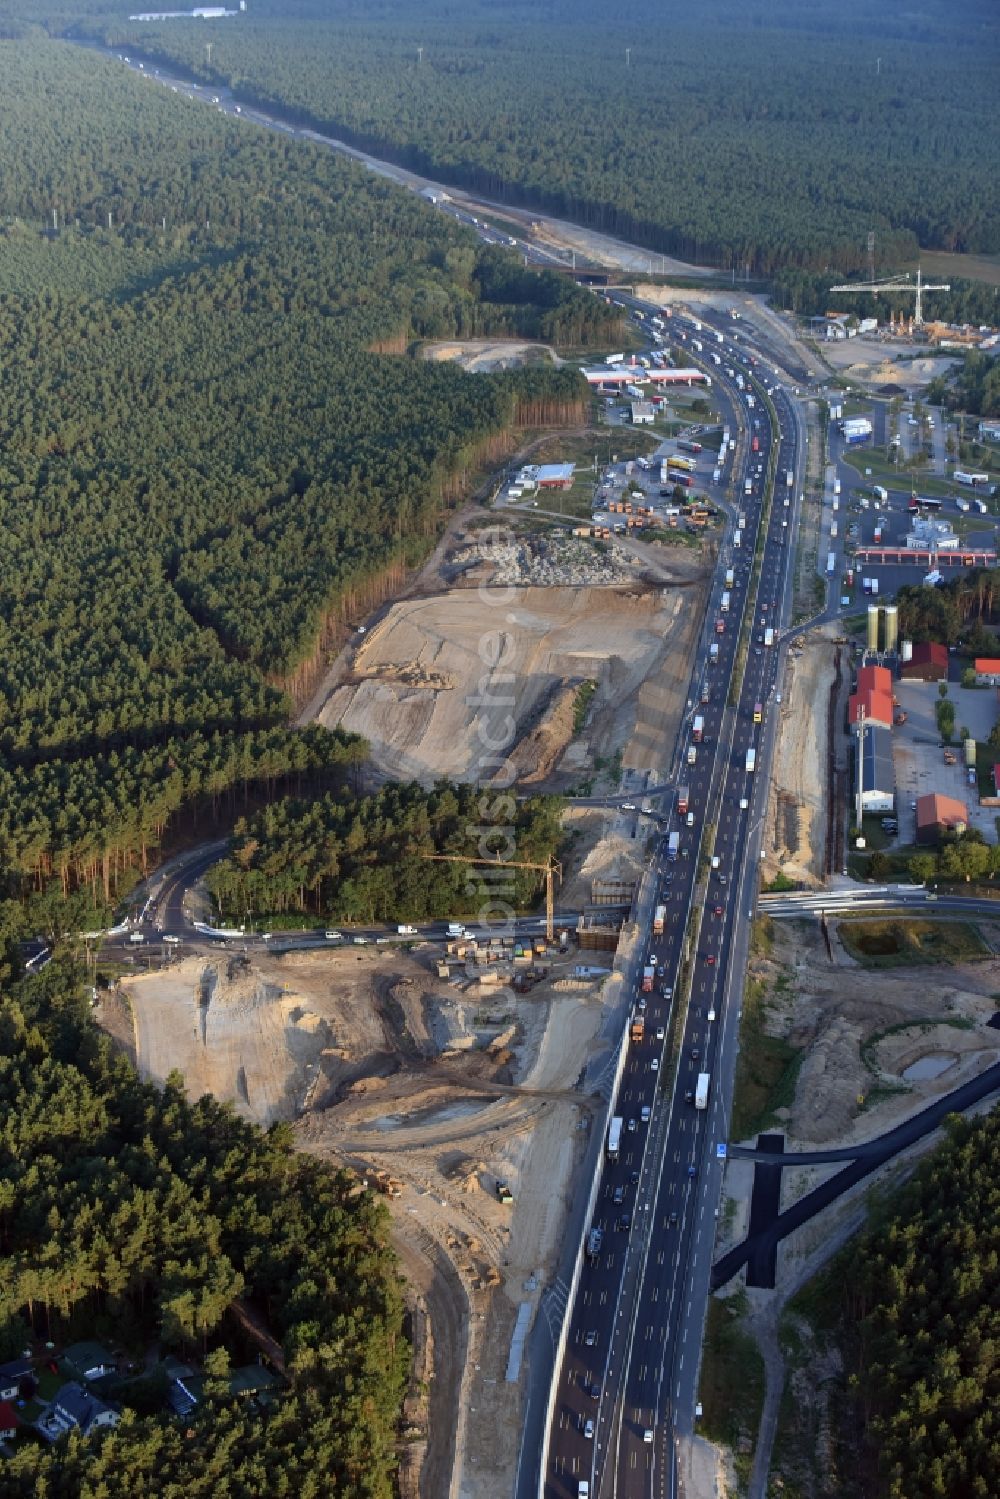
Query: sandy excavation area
(440, 681)
(484, 355)
(796, 831)
(859, 1031)
(443, 1085)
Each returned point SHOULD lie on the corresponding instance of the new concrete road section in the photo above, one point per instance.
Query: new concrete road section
(627, 1381)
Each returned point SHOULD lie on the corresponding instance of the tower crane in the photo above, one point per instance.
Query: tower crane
(916, 288)
(549, 868)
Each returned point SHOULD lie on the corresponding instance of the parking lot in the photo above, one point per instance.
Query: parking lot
(918, 756)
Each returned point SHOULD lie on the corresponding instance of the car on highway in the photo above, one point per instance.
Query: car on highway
(660, 1033)
(590, 1338)
(641, 1005)
(645, 1107)
(334, 936)
(710, 960)
(647, 1435)
(633, 1178)
(695, 1053)
(689, 1095)
(631, 1125)
(619, 1194)
(624, 1222)
(717, 911)
(588, 1429)
(672, 1220)
(654, 1065)
(692, 1169)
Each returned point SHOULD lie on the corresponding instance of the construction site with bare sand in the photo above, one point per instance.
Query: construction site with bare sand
(462, 1084)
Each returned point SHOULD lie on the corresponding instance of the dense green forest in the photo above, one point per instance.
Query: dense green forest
(203, 465)
(746, 137)
(954, 611)
(364, 860)
(132, 1215)
(974, 387)
(920, 1301)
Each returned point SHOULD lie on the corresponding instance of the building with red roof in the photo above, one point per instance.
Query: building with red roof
(938, 814)
(928, 663)
(875, 706)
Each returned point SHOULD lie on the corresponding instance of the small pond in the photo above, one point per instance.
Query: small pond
(932, 1065)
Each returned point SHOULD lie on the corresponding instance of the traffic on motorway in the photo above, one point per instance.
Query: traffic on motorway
(618, 1399)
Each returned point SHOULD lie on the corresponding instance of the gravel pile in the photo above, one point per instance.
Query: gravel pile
(550, 562)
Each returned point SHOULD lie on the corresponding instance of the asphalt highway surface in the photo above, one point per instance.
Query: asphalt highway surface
(626, 1384)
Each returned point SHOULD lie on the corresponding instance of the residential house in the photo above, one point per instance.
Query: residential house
(928, 663)
(12, 1377)
(75, 1407)
(89, 1360)
(937, 815)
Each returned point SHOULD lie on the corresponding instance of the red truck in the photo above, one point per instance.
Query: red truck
(648, 974)
(682, 800)
(755, 446)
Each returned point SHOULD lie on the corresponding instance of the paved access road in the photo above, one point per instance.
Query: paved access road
(627, 1382)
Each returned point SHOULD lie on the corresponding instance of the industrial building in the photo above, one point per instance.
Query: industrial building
(555, 475)
(628, 374)
(927, 662)
(931, 535)
(989, 431)
(642, 413)
(987, 671)
(878, 778)
(937, 815)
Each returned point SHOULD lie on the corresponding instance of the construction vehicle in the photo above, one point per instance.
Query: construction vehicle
(388, 1185)
(504, 1194)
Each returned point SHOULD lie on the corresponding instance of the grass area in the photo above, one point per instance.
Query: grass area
(581, 704)
(732, 1381)
(767, 1067)
(971, 267)
(900, 943)
(780, 883)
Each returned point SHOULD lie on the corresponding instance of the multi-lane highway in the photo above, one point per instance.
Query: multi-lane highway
(626, 1384)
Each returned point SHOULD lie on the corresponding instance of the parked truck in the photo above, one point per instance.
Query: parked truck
(751, 761)
(659, 918)
(686, 446)
(701, 1091)
(698, 728)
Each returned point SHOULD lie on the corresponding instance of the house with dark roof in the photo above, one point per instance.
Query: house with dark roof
(12, 1376)
(89, 1360)
(878, 775)
(75, 1408)
(928, 663)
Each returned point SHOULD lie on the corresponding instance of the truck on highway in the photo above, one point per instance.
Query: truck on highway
(724, 605)
(456, 929)
(698, 728)
(614, 1137)
(751, 760)
(692, 755)
(406, 931)
(730, 576)
(659, 917)
(713, 652)
(748, 487)
(755, 444)
(637, 1028)
(682, 800)
(836, 486)
(673, 845)
(831, 562)
(789, 479)
(720, 627)
(769, 635)
(833, 532)
(648, 975)
(758, 712)
(594, 1241)
(701, 1091)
